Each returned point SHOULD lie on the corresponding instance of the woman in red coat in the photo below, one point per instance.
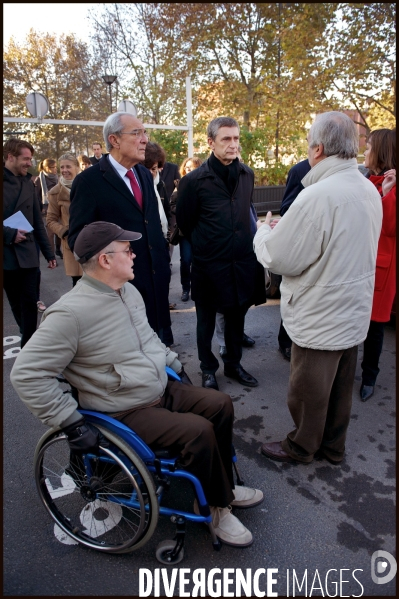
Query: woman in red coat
(380, 159)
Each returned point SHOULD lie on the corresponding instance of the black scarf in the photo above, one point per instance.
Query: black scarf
(228, 174)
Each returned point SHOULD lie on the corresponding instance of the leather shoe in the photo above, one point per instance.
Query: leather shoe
(286, 351)
(274, 451)
(185, 296)
(247, 341)
(242, 376)
(321, 455)
(366, 391)
(222, 350)
(209, 381)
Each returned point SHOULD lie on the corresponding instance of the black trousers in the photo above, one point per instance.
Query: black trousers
(197, 424)
(284, 340)
(20, 286)
(233, 331)
(372, 351)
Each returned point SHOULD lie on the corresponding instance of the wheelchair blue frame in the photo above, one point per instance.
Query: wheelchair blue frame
(165, 466)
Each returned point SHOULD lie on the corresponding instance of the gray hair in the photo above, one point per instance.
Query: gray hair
(338, 134)
(69, 157)
(91, 263)
(221, 121)
(113, 126)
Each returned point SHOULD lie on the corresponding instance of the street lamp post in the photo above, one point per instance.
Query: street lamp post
(109, 80)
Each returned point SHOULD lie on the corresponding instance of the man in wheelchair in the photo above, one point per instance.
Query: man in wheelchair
(98, 336)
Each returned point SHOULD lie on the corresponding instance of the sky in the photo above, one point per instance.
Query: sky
(45, 18)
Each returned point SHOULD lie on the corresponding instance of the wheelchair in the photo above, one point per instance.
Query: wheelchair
(111, 501)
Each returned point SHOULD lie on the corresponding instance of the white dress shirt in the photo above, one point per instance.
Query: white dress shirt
(121, 170)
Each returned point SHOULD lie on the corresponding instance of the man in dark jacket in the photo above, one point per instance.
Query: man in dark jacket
(120, 190)
(20, 256)
(97, 153)
(213, 211)
(292, 190)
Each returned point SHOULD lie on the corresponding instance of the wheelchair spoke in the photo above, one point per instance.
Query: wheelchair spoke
(101, 501)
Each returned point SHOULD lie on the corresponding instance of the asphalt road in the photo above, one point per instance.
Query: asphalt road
(314, 519)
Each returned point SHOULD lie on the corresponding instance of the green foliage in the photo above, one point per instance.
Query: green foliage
(275, 174)
(173, 142)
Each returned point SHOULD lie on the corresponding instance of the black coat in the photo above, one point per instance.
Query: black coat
(19, 194)
(294, 185)
(95, 160)
(224, 267)
(170, 173)
(98, 193)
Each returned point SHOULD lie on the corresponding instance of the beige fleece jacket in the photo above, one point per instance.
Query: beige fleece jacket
(101, 341)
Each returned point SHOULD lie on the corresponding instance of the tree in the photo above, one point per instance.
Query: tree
(129, 36)
(362, 64)
(65, 72)
(261, 63)
(270, 65)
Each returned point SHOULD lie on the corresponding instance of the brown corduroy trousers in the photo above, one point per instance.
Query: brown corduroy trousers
(320, 401)
(196, 424)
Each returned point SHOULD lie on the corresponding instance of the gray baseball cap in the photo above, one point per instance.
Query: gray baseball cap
(96, 236)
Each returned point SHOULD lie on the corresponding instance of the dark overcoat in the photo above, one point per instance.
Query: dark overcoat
(224, 267)
(170, 173)
(19, 194)
(98, 193)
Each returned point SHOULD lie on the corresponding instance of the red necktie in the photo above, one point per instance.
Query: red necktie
(135, 188)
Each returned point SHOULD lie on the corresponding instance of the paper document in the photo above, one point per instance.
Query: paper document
(18, 221)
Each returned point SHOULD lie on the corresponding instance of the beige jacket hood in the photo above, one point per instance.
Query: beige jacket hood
(325, 248)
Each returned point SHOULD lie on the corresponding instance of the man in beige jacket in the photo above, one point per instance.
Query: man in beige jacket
(325, 248)
(99, 337)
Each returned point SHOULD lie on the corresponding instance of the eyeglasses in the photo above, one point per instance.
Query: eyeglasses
(127, 251)
(136, 133)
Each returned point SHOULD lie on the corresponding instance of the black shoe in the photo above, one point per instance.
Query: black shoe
(247, 341)
(239, 374)
(59, 253)
(209, 381)
(222, 351)
(185, 296)
(366, 391)
(286, 351)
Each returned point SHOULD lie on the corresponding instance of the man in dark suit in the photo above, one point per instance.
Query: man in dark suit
(213, 211)
(292, 190)
(169, 173)
(120, 190)
(97, 151)
(20, 254)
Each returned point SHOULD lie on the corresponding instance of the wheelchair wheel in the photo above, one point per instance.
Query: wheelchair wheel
(106, 502)
(163, 550)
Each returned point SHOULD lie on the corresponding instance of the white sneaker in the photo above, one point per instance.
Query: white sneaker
(246, 497)
(229, 529)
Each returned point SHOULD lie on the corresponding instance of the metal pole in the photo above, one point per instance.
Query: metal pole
(189, 117)
(110, 98)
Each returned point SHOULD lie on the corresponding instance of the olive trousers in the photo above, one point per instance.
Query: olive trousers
(320, 401)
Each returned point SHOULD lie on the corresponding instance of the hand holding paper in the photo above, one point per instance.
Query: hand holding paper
(18, 221)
